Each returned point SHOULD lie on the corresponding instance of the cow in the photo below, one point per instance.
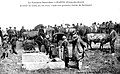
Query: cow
(109, 38)
(101, 38)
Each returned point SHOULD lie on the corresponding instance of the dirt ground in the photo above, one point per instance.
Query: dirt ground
(97, 62)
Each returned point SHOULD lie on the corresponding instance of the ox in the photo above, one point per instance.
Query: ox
(101, 38)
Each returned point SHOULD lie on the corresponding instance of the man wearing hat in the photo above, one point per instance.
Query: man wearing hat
(21, 32)
(15, 31)
(65, 44)
(10, 33)
(46, 43)
(41, 32)
(1, 37)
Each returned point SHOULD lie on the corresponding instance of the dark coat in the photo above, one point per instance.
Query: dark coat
(65, 44)
(1, 35)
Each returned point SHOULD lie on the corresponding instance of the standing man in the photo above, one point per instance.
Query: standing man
(1, 36)
(41, 32)
(65, 44)
(49, 31)
(21, 32)
(67, 32)
(39, 41)
(10, 33)
(113, 35)
(6, 32)
(55, 29)
(46, 43)
(15, 31)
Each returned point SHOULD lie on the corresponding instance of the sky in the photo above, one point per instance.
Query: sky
(11, 14)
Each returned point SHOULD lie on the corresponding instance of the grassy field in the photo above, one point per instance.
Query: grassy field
(97, 62)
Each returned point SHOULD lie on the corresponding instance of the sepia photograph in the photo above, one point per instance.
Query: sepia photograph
(59, 37)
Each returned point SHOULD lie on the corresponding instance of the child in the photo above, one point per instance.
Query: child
(5, 48)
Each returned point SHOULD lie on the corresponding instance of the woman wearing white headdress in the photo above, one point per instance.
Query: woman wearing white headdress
(77, 51)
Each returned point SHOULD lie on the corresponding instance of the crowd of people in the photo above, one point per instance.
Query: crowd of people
(9, 38)
(72, 35)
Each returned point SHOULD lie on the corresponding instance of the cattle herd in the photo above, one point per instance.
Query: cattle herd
(58, 36)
